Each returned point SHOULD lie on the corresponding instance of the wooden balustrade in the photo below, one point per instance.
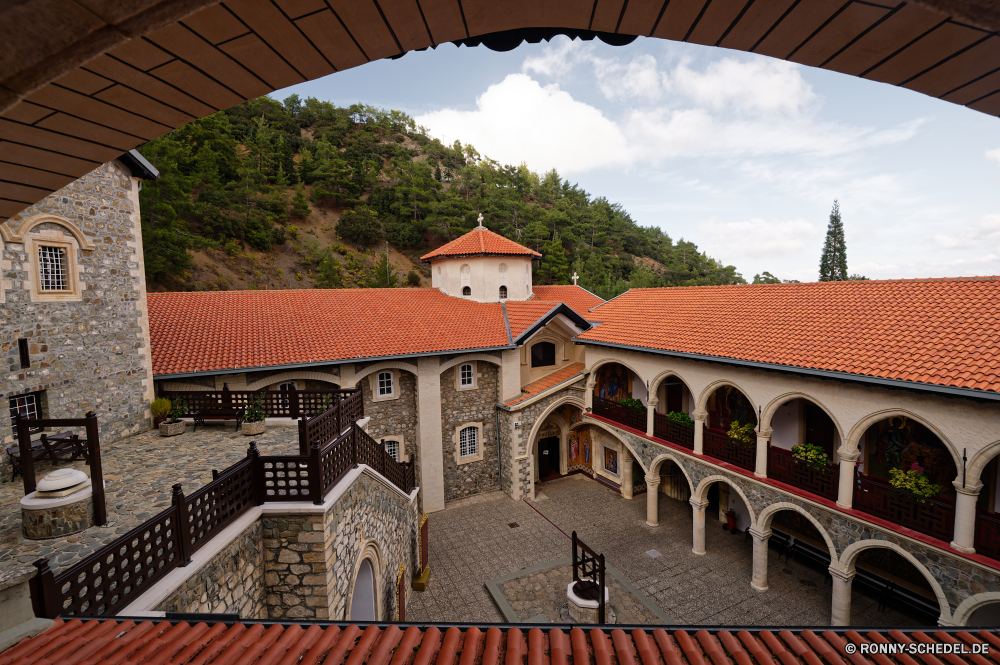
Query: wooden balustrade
(626, 415)
(670, 430)
(934, 517)
(720, 446)
(987, 541)
(277, 403)
(785, 468)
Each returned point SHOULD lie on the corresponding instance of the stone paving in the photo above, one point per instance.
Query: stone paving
(471, 541)
(139, 473)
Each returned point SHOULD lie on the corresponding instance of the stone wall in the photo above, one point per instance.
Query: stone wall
(88, 354)
(395, 417)
(295, 567)
(507, 469)
(466, 406)
(232, 582)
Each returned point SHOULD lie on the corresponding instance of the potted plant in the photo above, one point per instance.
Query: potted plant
(253, 421)
(915, 482)
(174, 425)
(680, 417)
(811, 455)
(741, 433)
(632, 403)
(160, 408)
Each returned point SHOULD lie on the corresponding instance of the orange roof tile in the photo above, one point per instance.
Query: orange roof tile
(546, 382)
(169, 643)
(935, 331)
(222, 330)
(577, 297)
(522, 314)
(479, 242)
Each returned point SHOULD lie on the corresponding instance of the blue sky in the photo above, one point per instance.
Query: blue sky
(738, 153)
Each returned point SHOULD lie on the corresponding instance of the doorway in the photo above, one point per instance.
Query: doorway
(363, 598)
(548, 458)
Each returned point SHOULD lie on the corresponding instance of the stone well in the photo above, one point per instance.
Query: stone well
(582, 610)
(57, 508)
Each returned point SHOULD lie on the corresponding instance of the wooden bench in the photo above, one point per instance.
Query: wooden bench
(219, 413)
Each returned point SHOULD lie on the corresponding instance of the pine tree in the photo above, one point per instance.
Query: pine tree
(300, 204)
(833, 262)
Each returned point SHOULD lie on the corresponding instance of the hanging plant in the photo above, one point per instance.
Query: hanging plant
(741, 433)
(914, 482)
(812, 455)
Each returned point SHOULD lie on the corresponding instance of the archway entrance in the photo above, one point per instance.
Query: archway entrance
(363, 598)
(800, 425)
(896, 587)
(987, 616)
(548, 458)
(729, 432)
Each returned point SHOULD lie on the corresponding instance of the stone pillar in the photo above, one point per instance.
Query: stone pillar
(588, 398)
(510, 375)
(699, 418)
(763, 441)
(652, 498)
(845, 493)
(965, 517)
(429, 428)
(840, 614)
(698, 545)
(626, 474)
(650, 418)
(760, 538)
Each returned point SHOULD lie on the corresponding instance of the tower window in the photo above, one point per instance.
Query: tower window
(466, 376)
(543, 354)
(466, 290)
(22, 351)
(52, 272)
(503, 292)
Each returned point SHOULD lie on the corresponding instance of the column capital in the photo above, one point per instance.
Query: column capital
(969, 489)
(760, 535)
(591, 380)
(764, 433)
(849, 456)
(652, 402)
(842, 575)
(696, 503)
(699, 414)
(652, 482)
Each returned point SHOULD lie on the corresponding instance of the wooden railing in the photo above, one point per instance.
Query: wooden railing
(277, 403)
(987, 540)
(934, 517)
(673, 431)
(328, 425)
(785, 468)
(117, 574)
(720, 446)
(634, 418)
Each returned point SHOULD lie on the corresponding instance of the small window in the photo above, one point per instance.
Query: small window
(29, 406)
(391, 447)
(52, 269)
(22, 351)
(468, 442)
(466, 291)
(543, 354)
(466, 376)
(385, 385)
(503, 292)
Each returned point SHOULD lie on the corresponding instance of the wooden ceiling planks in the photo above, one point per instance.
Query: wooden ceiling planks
(211, 56)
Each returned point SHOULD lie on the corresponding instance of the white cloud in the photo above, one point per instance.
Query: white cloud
(762, 86)
(984, 231)
(760, 238)
(994, 155)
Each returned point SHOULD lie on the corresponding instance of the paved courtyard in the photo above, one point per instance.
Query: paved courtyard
(139, 473)
(472, 541)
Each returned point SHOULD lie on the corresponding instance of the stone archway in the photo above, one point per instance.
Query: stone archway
(532, 439)
(975, 605)
(365, 594)
(700, 503)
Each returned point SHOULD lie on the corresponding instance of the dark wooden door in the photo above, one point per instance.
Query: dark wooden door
(548, 456)
(820, 429)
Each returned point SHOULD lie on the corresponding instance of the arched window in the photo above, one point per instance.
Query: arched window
(503, 292)
(466, 291)
(363, 598)
(468, 442)
(386, 387)
(466, 376)
(543, 354)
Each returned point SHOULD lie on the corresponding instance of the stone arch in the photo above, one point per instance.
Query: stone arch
(6, 235)
(701, 494)
(654, 468)
(851, 442)
(529, 447)
(773, 405)
(467, 358)
(767, 515)
(968, 606)
(607, 361)
(389, 364)
(654, 385)
(850, 556)
(24, 228)
(291, 375)
(979, 462)
(624, 442)
(715, 385)
(373, 553)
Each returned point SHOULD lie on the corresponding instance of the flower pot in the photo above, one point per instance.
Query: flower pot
(252, 429)
(157, 420)
(172, 429)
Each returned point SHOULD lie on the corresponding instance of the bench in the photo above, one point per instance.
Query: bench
(61, 447)
(219, 413)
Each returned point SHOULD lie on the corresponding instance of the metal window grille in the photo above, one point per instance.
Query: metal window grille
(466, 291)
(503, 292)
(468, 442)
(465, 376)
(385, 384)
(392, 447)
(26, 405)
(52, 271)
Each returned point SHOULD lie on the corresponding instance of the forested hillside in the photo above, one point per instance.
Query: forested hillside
(304, 193)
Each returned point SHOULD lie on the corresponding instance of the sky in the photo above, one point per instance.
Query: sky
(741, 154)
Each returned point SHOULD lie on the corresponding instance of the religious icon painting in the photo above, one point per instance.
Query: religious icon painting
(611, 461)
(574, 447)
(586, 452)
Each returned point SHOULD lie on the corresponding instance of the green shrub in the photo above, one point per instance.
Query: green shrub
(360, 226)
(177, 409)
(413, 279)
(741, 433)
(813, 456)
(160, 407)
(914, 482)
(632, 403)
(680, 417)
(255, 411)
(233, 247)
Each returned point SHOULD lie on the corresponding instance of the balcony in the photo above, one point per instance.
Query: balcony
(634, 418)
(933, 517)
(718, 445)
(987, 540)
(673, 431)
(785, 468)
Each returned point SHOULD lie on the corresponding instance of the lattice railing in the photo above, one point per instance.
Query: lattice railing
(277, 403)
(720, 446)
(634, 418)
(336, 459)
(213, 507)
(987, 540)
(286, 477)
(783, 467)
(934, 517)
(673, 431)
(330, 424)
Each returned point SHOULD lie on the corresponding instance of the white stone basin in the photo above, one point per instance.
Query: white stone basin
(61, 479)
(581, 602)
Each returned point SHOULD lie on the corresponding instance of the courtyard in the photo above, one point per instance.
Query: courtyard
(488, 536)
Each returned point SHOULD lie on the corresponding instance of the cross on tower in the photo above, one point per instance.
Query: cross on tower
(480, 220)
(574, 278)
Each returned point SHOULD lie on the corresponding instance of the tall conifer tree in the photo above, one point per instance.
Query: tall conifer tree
(833, 262)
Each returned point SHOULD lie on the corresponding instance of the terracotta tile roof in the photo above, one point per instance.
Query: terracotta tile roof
(546, 382)
(477, 242)
(220, 330)
(580, 299)
(522, 314)
(167, 643)
(934, 331)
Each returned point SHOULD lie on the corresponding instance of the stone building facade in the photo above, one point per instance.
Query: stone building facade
(474, 407)
(395, 419)
(72, 286)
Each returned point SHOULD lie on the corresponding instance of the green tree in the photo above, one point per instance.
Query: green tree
(360, 226)
(857, 278)
(300, 204)
(328, 272)
(553, 266)
(765, 278)
(384, 276)
(833, 261)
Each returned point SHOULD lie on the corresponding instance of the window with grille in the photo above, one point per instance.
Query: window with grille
(503, 292)
(392, 447)
(466, 377)
(385, 386)
(29, 406)
(52, 269)
(466, 291)
(468, 442)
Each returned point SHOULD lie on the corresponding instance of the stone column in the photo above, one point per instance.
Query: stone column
(845, 493)
(652, 499)
(650, 418)
(698, 546)
(510, 375)
(760, 538)
(626, 474)
(965, 517)
(588, 398)
(840, 614)
(763, 440)
(699, 418)
(429, 429)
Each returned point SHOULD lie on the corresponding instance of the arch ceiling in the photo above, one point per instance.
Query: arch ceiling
(82, 81)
